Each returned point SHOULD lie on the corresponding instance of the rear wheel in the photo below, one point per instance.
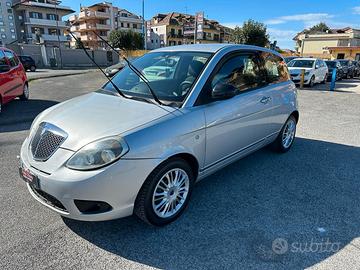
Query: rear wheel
(32, 68)
(286, 137)
(26, 93)
(166, 193)
(325, 78)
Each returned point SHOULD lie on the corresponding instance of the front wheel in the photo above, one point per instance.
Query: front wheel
(286, 137)
(312, 82)
(165, 193)
(26, 93)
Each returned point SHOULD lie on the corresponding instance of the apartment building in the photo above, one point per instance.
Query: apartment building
(7, 23)
(178, 28)
(102, 18)
(334, 44)
(40, 21)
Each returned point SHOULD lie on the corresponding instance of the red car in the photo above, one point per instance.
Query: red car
(13, 80)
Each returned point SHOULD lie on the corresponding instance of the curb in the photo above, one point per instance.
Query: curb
(59, 75)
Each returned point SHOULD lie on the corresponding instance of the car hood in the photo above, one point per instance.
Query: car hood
(97, 115)
(295, 70)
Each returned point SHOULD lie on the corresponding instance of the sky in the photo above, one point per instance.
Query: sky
(283, 18)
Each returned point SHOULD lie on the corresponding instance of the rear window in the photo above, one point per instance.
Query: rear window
(275, 67)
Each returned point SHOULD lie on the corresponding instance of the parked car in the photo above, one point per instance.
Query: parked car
(112, 70)
(28, 62)
(136, 155)
(316, 70)
(289, 58)
(357, 68)
(348, 67)
(335, 65)
(13, 80)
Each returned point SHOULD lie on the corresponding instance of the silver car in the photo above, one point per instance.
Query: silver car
(123, 150)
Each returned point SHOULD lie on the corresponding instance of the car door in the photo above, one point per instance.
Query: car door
(14, 75)
(280, 89)
(6, 81)
(235, 124)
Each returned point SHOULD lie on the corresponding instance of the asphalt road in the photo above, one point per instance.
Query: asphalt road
(307, 197)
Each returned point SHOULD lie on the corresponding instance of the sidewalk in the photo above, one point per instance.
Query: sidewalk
(49, 73)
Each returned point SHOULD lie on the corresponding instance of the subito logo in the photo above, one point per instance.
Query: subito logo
(280, 246)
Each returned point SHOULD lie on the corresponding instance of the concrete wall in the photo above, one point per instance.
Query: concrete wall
(71, 58)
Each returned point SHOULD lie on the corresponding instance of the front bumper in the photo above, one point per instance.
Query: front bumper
(297, 77)
(117, 184)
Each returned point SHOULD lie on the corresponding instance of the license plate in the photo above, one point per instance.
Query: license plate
(28, 176)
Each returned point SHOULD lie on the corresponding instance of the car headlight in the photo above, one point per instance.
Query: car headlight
(98, 154)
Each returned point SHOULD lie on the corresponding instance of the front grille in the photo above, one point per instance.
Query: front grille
(46, 141)
(48, 199)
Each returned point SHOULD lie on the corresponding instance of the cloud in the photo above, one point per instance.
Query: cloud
(280, 34)
(356, 10)
(307, 19)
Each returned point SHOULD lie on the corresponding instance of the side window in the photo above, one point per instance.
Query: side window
(2, 58)
(242, 72)
(275, 68)
(12, 59)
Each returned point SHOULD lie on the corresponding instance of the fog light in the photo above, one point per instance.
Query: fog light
(92, 207)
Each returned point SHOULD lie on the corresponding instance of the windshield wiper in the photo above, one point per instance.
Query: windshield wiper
(92, 60)
(133, 68)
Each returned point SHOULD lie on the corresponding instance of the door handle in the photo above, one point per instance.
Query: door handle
(265, 100)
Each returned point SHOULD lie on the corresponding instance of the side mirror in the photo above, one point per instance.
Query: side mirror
(317, 66)
(223, 91)
(4, 68)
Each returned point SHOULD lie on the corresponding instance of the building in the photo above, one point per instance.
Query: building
(7, 23)
(334, 44)
(40, 21)
(102, 18)
(178, 28)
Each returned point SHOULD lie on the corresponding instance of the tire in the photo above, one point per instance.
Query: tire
(26, 93)
(279, 145)
(32, 68)
(1, 105)
(146, 206)
(325, 78)
(312, 82)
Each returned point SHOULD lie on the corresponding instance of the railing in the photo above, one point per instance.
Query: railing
(45, 22)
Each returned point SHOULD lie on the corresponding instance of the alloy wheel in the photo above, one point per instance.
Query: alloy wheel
(170, 193)
(288, 133)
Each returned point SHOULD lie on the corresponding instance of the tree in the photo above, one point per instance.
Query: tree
(128, 40)
(236, 35)
(254, 33)
(251, 33)
(318, 28)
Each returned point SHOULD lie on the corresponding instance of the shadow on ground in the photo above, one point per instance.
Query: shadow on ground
(18, 115)
(307, 195)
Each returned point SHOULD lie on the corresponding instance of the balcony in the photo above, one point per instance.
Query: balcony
(87, 26)
(73, 18)
(50, 38)
(93, 15)
(44, 22)
(74, 28)
(103, 26)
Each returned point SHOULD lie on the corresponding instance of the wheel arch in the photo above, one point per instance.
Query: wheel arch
(296, 115)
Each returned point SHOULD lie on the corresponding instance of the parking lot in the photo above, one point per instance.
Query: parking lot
(303, 200)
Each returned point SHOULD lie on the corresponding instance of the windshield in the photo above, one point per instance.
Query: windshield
(171, 75)
(344, 63)
(301, 63)
(331, 64)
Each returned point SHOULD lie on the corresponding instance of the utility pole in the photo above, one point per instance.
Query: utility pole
(143, 24)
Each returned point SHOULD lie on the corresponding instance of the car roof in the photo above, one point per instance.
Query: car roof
(211, 48)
